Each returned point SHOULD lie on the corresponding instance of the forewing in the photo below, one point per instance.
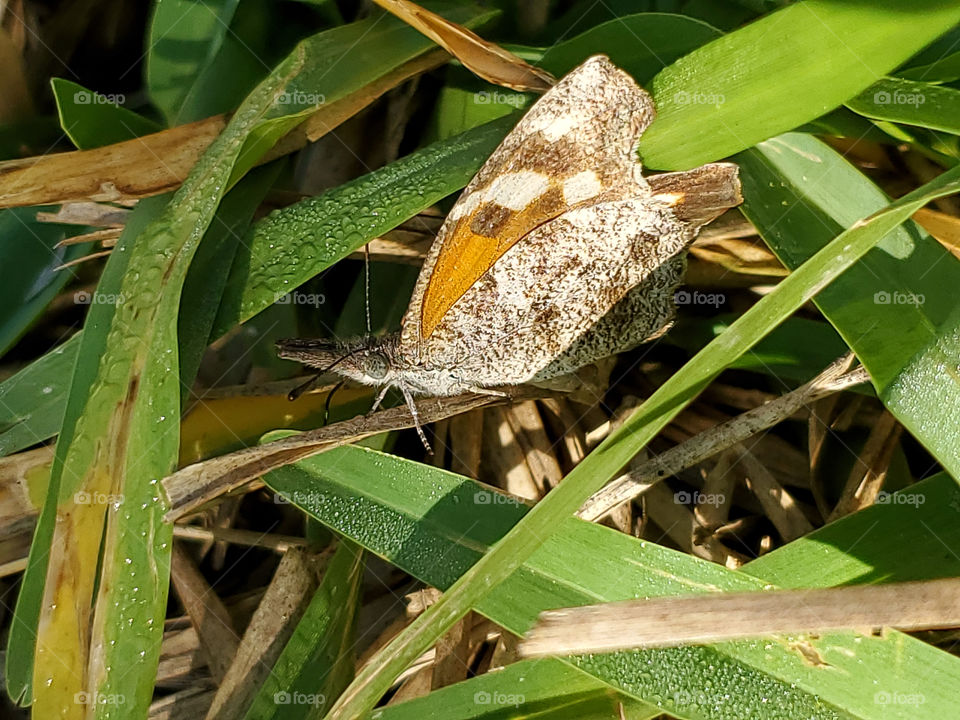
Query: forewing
(576, 147)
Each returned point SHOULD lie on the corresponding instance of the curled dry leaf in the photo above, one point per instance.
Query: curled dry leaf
(484, 59)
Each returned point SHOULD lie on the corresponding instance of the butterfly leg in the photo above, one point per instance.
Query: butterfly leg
(380, 396)
(416, 418)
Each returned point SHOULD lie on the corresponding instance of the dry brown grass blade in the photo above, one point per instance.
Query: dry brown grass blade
(484, 59)
(196, 484)
(778, 504)
(209, 616)
(134, 168)
(699, 619)
(272, 624)
(159, 162)
(868, 473)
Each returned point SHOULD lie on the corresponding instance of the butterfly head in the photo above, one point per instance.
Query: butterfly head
(366, 360)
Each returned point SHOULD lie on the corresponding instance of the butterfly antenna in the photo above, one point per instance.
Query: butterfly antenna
(326, 405)
(303, 387)
(366, 284)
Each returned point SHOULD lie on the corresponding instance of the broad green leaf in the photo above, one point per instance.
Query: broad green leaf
(183, 40)
(760, 81)
(614, 452)
(413, 514)
(545, 688)
(642, 44)
(317, 662)
(91, 119)
(896, 308)
(30, 247)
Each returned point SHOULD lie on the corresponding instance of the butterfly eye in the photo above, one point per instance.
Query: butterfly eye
(375, 366)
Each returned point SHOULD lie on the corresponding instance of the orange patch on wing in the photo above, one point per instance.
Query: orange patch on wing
(476, 242)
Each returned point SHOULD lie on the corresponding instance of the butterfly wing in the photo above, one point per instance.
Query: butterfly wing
(551, 288)
(574, 148)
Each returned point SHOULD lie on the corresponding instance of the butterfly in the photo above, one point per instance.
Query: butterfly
(558, 253)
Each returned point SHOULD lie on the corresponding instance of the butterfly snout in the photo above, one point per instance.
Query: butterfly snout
(319, 353)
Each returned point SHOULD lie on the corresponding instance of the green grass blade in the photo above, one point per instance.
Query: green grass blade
(92, 120)
(611, 455)
(30, 247)
(546, 689)
(317, 662)
(184, 38)
(760, 81)
(32, 401)
(292, 245)
(911, 102)
(799, 193)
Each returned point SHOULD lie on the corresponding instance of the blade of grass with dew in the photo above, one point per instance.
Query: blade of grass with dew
(293, 244)
(412, 514)
(545, 689)
(611, 455)
(759, 81)
(896, 309)
(126, 436)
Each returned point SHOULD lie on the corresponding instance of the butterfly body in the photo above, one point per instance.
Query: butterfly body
(559, 252)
